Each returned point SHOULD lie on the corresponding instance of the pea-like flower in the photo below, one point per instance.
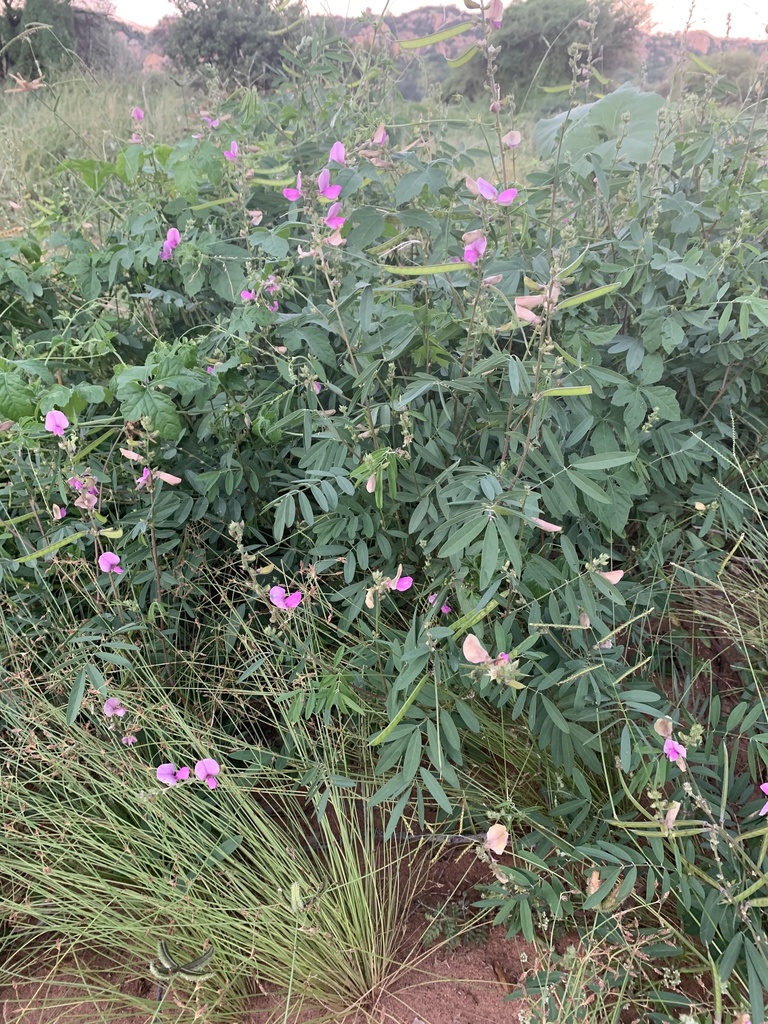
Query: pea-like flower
(280, 598)
(206, 771)
(294, 193)
(56, 422)
(496, 839)
(474, 248)
(338, 154)
(233, 152)
(492, 194)
(172, 239)
(110, 562)
(324, 186)
(113, 707)
(169, 774)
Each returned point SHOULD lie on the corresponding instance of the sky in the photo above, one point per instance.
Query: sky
(669, 15)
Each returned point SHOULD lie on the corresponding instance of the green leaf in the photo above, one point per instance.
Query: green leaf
(76, 694)
(437, 37)
(555, 88)
(593, 293)
(464, 536)
(436, 790)
(489, 560)
(555, 714)
(158, 407)
(17, 399)
(607, 460)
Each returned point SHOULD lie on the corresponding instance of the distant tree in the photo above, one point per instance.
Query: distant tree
(42, 50)
(241, 38)
(535, 37)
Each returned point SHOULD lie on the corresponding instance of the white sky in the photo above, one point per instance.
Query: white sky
(669, 15)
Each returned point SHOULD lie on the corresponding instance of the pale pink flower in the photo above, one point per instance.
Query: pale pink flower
(273, 306)
(212, 122)
(495, 106)
(294, 193)
(137, 114)
(128, 740)
(56, 422)
(674, 750)
(472, 186)
(496, 839)
(169, 775)
(764, 790)
(281, 599)
(167, 478)
(335, 239)
(333, 218)
(614, 576)
(495, 13)
(380, 136)
(206, 771)
(271, 285)
(475, 249)
(135, 138)
(233, 152)
(87, 501)
(324, 186)
(145, 479)
(172, 239)
(400, 582)
(247, 295)
(338, 154)
(112, 706)
(524, 306)
(59, 511)
(545, 526)
(110, 562)
(255, 217)
(492, 279)
(370, 483)
(75, 483)
(128, 453)
(317, 387)
(487, 191)
(512, 139)
(474, 651)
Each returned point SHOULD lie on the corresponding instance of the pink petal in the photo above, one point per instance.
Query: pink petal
(764, 788)
(370, 483)
(547, 527)
(379, 136)
(474, 651)
(404, 583)
(763, 809)
(292, 193)
(445, 609)
(338, 153)
(472, 186)
(512, 139)
(507, 196)
(134, 456)
(56, 422)
(486, 189)
(182, 774)
(526, 315)
(277, 597)
(323, 180)
(168, 478)
(496, 839)
(614, 576)
(166, 773)
(294, 599)
(205, 767)
(109, 562)
(331, 192)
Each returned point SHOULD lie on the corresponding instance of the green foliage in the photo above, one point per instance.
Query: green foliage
(242, 39)
(509, 434)
(42, 50)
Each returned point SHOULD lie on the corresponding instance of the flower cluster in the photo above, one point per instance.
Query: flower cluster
(172, 239)
(206, 771)
(326, 190)
(382, 584)
(500, 669)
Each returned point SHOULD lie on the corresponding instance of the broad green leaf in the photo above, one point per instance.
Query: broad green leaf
(76, 694)
(607, 460)
(462, 537)
(17, 399)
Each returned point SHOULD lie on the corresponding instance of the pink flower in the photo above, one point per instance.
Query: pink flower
(167, 478)
(169, 775)
(255, 217)
(444, 608)
(172, 239)
(59, 512)
(271, 285)
(496, 839)
(247, 295)
(614, 576)
(674, 750)
(487, 191)
(135, 138)
(294, 193)
(128, 453)
(495, 13)
(137, 114)
(475, 249)
(333, 218)
(764, 790)
(370, 483)
(317, 387)
(233, 152)
(210, 369)
(207, 770)
(112, 706)
(110, 562)
(56, 422)
(524, 306)
(281, 599)
(324, 186)
(400, 582)
(474, 651)
(88, 500)
(545, 526)
(145, 479)
(273, 306)
(128, 740)
(338, 154)
(75, 483)
(335, 239)
(512, 139)
(380, 136)
(212, 122)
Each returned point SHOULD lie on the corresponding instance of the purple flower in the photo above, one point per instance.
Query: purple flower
(324, 186)
(169, 775)
(445, 609)
(207, 770)
(294, 193)
(475, 249)
(496, 13)
(233, 152)
(128, 740)
(134, 137)
(112, 706)
(212, 122)
(75, 483)
(247, 296)
(273, 306)
(400, 582)
(172, 239)
(110, 562)
(674, 750)
(487, 191)
(334, 219)
(338, 154)
(271, 285)
(764, 789)
(145, 479)
(137, 114)
(281, 599)
(59, 512)
(317, 387)
(56, 422)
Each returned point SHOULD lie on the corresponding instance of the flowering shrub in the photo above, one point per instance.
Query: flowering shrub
(379, 383)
